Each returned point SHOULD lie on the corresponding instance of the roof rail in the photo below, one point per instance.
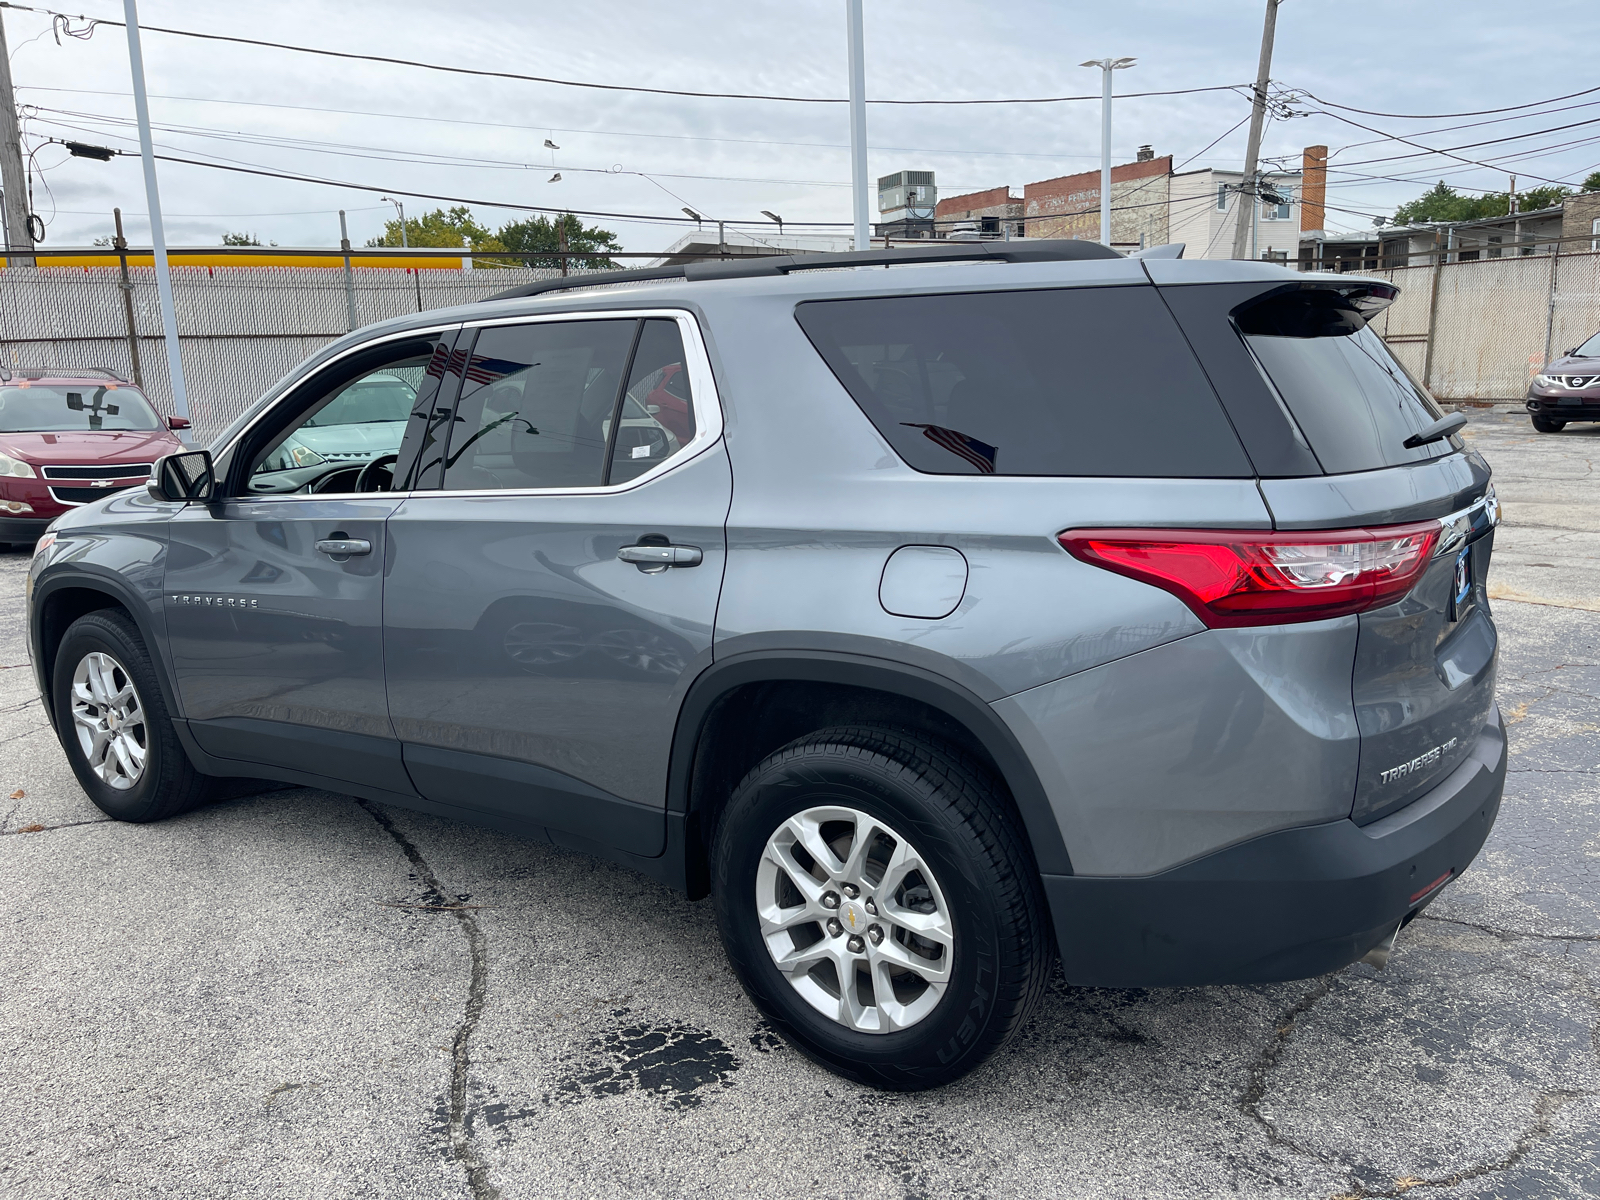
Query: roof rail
(754, 266)
(64, 373)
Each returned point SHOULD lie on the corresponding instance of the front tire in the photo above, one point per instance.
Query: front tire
(878, 900)
(1547, 425)
(114, 725)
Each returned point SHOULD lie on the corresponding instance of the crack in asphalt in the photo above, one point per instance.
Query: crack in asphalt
(1510, 935)
(1256, 1088)
(1545, 1108)
(51, 828)
(459, 1126)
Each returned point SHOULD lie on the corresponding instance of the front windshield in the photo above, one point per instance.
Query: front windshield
(1590, 349)
(74, 408)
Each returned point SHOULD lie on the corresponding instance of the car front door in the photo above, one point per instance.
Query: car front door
(274, 593)
(545, 603)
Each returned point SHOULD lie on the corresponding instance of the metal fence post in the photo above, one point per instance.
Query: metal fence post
(1433, 313)
(127, 300)
(1550, 315)
(349, 279)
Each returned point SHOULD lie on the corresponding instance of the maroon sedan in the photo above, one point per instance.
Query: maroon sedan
(1567, 389)
(68, 437)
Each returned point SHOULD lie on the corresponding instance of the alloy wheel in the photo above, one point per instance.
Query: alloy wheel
(854, 918)
(108, 717)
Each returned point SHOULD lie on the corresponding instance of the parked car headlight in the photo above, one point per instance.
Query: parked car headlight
(1543, 381)
(12, 466)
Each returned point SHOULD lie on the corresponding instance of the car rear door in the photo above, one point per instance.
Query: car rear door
(548, 599)
(1326, 409)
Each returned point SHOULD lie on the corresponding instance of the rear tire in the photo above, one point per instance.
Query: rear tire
(1547, 425)
(943, 851)
(114, 725)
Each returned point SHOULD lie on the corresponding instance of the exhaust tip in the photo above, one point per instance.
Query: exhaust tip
(1378, 957)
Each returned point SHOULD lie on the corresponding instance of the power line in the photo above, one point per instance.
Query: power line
(1367, 112)
(607, 87)
(1449, 151)
(386, 154)
(678, 137)
(364, 187)
(1474, 124)
(1430, 150)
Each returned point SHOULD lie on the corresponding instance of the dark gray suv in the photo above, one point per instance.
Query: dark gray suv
(934, 620)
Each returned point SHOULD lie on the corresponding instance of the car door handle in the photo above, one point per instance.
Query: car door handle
(661, 557)
(337, 546)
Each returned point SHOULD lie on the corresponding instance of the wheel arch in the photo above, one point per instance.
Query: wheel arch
(742, 708)
(60, 599)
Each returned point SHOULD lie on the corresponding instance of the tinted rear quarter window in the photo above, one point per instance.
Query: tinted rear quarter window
(1350, 396)
(1082, 381)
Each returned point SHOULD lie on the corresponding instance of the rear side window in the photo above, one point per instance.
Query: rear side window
(1083, 381)
(1350, 396)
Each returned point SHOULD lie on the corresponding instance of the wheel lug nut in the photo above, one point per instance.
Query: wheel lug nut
(855, 945)
(830, 899)
(875, 932)
(850, 890)
(834, 928)
(870, 906)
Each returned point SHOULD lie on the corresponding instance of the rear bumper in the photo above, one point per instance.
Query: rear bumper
(1287, 905)
(23, 529)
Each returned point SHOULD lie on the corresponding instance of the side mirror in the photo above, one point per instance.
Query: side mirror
(177, 422)
(188, 477)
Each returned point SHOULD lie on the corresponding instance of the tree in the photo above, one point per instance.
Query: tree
(543, 233)
(1443, 203)
(453, 228)
(240, 239)
(1592, 183)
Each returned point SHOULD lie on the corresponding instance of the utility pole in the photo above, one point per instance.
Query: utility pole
(858, 122)
(158, 234)
(12, 177)
(121, 243)
(1249, 184)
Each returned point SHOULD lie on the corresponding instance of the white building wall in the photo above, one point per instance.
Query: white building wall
(1208, 233)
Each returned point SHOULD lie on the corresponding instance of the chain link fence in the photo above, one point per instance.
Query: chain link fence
(1472, 330)
(1478, 330)
(241, 329)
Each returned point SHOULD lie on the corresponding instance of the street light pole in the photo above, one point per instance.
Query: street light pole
(858, 122)
(401, 209)
(158, 235)
(1106, 65)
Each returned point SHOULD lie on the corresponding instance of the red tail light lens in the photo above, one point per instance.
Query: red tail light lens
(1240, 577)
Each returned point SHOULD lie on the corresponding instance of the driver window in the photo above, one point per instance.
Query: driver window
(348, 439)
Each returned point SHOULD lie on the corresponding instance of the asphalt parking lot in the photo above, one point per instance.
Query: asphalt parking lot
(255, 1000)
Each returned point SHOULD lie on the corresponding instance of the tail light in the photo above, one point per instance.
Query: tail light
(1240, 577)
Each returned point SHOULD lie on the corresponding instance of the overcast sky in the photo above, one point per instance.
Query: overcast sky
(630, 153)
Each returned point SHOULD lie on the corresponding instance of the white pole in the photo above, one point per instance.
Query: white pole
(1105, 154)
(858, 122)
(158, 236)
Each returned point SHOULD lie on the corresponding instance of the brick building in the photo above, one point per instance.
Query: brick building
(1069, 206)
(994, 212)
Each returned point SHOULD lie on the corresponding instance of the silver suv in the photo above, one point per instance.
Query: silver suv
(1021, 599)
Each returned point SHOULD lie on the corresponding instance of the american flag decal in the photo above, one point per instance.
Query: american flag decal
(979, 454)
